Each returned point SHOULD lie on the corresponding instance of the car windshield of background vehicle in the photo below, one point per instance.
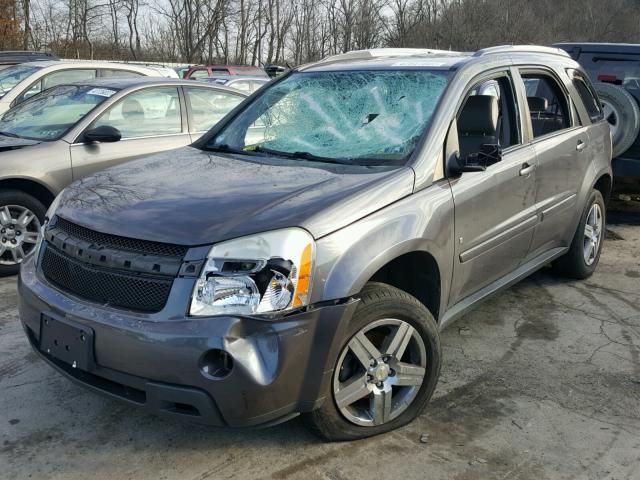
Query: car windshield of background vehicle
(10, 77)
(354, 117)
(50, 115)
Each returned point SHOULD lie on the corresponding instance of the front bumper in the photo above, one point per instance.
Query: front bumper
(280, 367)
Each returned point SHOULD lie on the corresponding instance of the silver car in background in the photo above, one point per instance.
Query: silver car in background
(244, 84)
(73, 130)
(20, 82)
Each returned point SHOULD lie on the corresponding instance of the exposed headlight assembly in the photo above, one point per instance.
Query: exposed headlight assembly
(264, 273)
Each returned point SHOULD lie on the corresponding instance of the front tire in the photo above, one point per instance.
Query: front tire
(584, 254)
(20, 218)
(386, 371)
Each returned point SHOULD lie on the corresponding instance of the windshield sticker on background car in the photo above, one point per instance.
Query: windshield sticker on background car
(101, 92)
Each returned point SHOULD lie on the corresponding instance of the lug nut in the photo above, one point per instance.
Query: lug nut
(18, 232)
(372, 362)
(4, 239)
(380, 385)
(3, 230)
(13, 240)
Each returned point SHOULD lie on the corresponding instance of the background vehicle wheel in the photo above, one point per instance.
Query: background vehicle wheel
(583, 255)
(623, 114)
(20, 218)
(387, 368)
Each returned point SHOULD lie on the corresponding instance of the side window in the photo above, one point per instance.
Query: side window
(208, 106)
(548, 105)
(145, 114)
(201, 73)
(257, 85)
(66, 76)
(55, 79)
(588, 96)
(113, 73)
(242, 85)
(489, 117)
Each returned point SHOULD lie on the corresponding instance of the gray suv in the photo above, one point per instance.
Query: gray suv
(303, 255)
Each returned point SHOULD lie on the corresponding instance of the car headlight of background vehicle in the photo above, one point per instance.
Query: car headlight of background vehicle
(51, 211)
(263, 273)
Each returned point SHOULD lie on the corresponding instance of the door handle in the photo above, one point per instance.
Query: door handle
(526, 169)
(581, 146)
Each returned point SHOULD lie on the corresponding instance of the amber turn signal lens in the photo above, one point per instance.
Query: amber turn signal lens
(303, 287)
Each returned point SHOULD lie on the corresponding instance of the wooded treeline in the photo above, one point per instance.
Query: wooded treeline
(297, 31)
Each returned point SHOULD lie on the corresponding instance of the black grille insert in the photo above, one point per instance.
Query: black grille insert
(116, 242)
(141, 293)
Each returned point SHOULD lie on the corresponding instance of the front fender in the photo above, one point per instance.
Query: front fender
(421, 222)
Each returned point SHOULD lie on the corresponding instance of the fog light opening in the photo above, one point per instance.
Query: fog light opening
(216, 364)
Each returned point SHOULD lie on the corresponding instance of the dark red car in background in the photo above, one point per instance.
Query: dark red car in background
(204, 71)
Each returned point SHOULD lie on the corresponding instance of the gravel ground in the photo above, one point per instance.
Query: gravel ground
(541, 382)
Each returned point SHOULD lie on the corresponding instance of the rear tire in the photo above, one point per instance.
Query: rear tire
(403, 377)
(576, 263)
(622, 113)
(12, 204)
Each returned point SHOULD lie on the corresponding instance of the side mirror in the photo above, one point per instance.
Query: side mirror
(477, 161)
(104, 134)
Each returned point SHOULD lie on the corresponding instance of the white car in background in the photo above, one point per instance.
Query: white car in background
(21, 82)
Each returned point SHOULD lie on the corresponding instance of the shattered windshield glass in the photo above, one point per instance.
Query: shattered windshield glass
(351, 117)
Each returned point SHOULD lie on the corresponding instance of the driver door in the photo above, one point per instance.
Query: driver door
(150, 121)
(495, 213)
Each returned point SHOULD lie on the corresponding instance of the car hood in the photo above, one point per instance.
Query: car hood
(191, 197)
(11, 143)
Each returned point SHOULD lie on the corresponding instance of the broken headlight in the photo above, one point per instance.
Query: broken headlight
(263, 273)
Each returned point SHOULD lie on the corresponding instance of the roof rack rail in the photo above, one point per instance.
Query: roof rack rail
(382, 53)
(521, 49)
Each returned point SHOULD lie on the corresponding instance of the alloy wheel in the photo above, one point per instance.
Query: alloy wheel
(380, 372)
(592, 234)
(19, 229)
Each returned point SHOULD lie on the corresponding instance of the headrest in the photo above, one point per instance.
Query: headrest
(479, 115)
(537, 104)
(132, 108)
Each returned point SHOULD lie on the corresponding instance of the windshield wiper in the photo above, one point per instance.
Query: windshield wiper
(227, 149)
(301, 155)
(9, 134)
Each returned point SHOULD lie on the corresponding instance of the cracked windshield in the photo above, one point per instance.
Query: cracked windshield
(360, 118)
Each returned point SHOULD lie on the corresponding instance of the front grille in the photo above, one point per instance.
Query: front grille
(106, 240)
(143, 293)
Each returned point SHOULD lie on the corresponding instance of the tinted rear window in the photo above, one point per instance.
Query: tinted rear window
(621, 69)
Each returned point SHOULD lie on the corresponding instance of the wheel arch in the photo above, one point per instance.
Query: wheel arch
(29, 186)
(417, 273)
(604, 185)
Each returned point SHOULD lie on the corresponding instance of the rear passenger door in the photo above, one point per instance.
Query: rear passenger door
(560, 143)
(495, 211)
(150, 121)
